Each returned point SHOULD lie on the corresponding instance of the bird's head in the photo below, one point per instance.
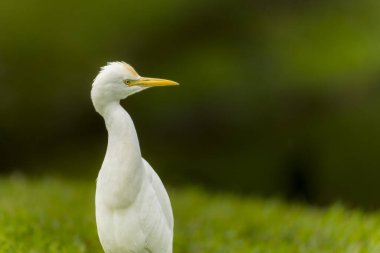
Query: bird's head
(118, 80)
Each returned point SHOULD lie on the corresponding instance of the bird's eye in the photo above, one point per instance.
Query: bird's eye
(127, 82)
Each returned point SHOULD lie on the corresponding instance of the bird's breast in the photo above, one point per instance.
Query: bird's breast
(136, 227)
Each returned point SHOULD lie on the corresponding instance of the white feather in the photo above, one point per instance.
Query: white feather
(133, 210)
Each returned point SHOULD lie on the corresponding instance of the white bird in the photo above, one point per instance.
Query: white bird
(133, 210)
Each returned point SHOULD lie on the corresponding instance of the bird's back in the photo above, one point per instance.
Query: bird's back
(162, 195)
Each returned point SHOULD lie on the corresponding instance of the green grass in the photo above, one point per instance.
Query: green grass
(55, 215)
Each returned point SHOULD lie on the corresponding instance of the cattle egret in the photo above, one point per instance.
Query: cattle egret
(133, 210)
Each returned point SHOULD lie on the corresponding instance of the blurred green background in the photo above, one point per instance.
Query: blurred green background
(276, 98)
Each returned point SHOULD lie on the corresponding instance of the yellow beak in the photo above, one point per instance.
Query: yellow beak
(151, 82)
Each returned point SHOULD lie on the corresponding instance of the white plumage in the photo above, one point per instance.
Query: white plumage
(133, 210)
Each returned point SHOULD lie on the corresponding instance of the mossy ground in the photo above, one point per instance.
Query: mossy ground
(56, 215)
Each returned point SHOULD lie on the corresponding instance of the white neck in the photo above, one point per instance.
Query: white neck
(122, 165)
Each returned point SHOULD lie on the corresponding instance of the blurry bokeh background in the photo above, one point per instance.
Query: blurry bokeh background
(277, 98)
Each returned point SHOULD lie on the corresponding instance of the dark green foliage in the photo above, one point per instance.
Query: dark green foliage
(277, 97)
